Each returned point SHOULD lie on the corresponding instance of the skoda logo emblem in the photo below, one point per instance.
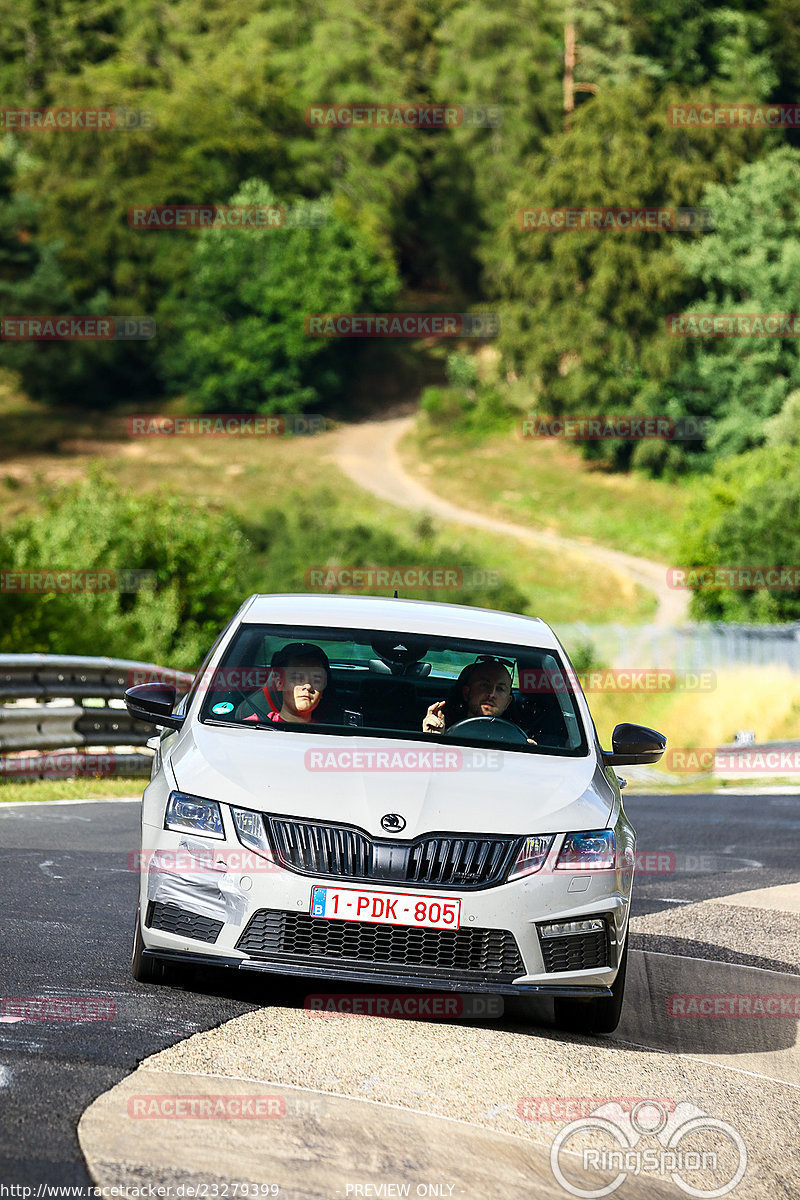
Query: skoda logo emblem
(393, 822)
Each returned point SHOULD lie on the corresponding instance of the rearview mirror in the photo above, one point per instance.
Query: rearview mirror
(153, 702)
(632, 744)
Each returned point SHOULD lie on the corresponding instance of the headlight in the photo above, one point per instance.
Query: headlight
(250, 830)
(195, 813)
(593, 851)
(531, 857)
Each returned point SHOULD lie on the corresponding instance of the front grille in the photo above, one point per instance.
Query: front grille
(480, 953)
(467, 862)
(172, 919)
(575, 952)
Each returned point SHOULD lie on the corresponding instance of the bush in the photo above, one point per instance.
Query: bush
(200, 560)
(745, 515)
(241, 342)
(204, 563)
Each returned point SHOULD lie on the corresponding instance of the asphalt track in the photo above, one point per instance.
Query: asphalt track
(69, 895)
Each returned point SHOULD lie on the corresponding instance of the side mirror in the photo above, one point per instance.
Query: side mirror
(153, 702)
(633, 744)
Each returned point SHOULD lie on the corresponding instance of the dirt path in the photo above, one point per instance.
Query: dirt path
(367, 454)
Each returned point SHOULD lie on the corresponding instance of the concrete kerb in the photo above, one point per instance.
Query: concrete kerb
(325, 1146)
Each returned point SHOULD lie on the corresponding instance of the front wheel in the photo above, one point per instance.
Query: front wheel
(145, 969)
(600, 1015)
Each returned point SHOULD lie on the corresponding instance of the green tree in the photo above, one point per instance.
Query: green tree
(745, 515)
(33, 282)
(201, 570)
(241, 337)
(584, 311)
(750, 264)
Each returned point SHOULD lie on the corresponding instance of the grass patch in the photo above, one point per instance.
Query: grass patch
(545, 484)
(70, 789)
(763, 699)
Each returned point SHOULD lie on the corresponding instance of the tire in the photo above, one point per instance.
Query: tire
(152, 970)
(594, 1016)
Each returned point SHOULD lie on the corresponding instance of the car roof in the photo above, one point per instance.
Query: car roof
(394, 615)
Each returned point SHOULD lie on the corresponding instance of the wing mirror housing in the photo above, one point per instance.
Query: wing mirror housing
(634, 744)
(154, 702)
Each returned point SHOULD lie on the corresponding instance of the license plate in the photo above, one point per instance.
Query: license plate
(385, 908)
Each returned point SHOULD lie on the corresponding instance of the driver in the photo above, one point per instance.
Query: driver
(483, 689)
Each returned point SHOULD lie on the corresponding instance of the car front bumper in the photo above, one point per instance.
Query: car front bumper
(221, 906)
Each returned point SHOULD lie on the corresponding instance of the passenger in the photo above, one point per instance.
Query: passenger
(299, 674)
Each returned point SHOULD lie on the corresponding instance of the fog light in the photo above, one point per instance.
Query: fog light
(565, 928)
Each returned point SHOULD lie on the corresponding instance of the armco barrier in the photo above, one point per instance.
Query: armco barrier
(97, 717)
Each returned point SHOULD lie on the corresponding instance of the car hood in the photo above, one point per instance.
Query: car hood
(463, 790)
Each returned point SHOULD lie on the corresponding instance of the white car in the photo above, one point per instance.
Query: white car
(391, 792)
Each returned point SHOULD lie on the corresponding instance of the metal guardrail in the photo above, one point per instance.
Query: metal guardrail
(708, 646)
(97, 717)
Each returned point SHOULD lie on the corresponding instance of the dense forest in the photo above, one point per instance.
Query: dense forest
(561, 105)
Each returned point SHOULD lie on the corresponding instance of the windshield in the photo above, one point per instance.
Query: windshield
(399, 685)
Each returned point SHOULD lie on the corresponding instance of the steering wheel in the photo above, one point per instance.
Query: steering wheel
(488, 729)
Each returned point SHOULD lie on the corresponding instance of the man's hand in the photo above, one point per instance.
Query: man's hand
(433, 721)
